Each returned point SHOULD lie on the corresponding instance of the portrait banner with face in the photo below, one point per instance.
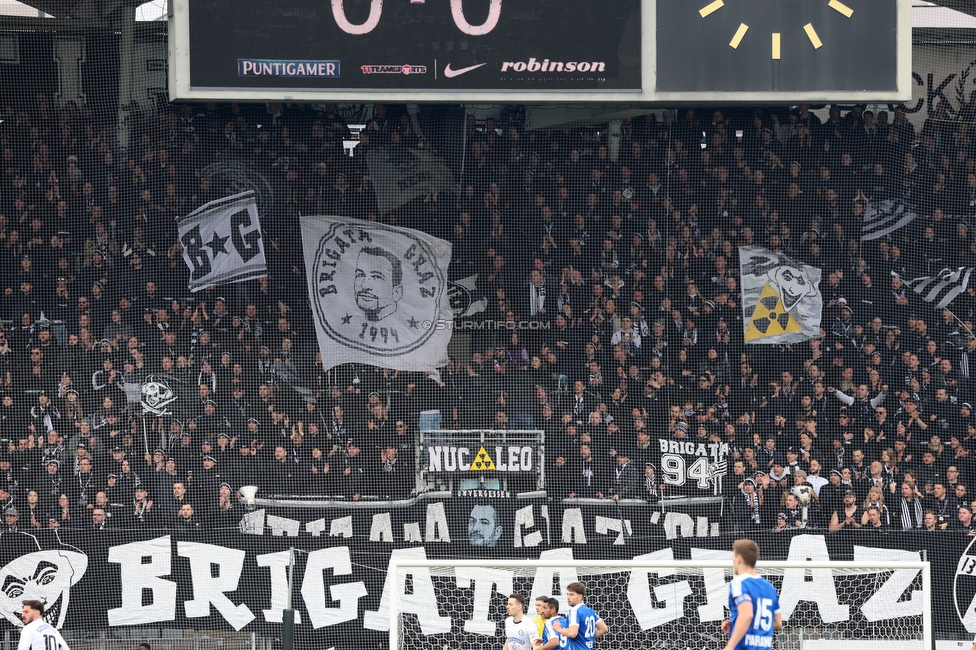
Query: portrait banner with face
(781, 300)
(380, 294)
(222, 242)
(39, 568)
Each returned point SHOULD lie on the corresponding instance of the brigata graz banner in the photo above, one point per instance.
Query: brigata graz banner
(446, 46)
(229, 580)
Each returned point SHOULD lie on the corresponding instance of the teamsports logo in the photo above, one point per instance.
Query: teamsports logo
(545, 65)
(394, 69)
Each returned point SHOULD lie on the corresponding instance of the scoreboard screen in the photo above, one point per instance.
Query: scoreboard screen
(525, 51)
(416, 46)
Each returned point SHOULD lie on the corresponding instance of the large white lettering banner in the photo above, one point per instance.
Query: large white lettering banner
(165, 579)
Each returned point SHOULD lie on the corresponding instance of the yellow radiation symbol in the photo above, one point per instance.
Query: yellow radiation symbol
(483, 462)
(770, 318)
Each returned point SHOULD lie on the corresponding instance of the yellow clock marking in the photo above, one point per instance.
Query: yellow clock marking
(712, 7)
(840, 7)
(739, 34)
(812, 35)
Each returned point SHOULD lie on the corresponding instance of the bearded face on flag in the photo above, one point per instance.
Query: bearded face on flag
(379, 293)
(378, 283)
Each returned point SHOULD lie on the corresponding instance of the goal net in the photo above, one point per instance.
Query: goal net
(664, 604)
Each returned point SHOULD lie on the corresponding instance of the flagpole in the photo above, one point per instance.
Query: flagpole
(958, 320)
(946, 275)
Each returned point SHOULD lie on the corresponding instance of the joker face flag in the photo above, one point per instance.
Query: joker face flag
(781, 300)
(379, 293)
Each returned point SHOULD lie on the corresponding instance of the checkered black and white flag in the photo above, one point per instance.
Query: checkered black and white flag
(884, 217)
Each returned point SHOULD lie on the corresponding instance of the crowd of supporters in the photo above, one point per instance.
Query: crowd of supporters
(613, 261)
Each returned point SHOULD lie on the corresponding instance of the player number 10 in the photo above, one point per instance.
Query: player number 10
(457, 11)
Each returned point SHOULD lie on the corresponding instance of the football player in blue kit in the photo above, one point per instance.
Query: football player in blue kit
(585, 626)
(753, 603)
(551, 640)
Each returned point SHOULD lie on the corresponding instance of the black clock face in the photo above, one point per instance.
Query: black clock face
(776, 45)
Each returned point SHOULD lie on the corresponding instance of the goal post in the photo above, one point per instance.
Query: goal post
(664, 603)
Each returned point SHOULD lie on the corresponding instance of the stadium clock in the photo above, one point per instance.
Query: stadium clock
(776, 38)
(777, 45)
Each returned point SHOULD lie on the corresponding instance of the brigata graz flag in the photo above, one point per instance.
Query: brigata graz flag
(222, 242)
(781, 301)
(379, 293)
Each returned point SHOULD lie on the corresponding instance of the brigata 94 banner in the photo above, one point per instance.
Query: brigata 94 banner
(428, 45)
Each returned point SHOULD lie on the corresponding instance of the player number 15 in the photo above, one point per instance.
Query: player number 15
(763, 619)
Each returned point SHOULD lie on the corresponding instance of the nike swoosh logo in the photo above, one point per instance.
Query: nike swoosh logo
(450, 74)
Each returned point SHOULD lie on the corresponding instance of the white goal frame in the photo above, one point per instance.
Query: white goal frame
(398, 564)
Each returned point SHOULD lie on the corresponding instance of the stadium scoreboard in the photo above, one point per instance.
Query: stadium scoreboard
(540, 50)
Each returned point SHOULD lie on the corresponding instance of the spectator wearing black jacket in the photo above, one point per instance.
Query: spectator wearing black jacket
(626, 477)
(188, 524)
(168, 505)
(354, 471)
(282, 473)
(394, 477)
(142, 510)
(748, 506)
(227, 511)
(590, 475)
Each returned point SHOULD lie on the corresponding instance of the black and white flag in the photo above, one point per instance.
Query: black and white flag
(942, 289)
(222, 242)
(400, 174)
(884, 217)
(380, 294)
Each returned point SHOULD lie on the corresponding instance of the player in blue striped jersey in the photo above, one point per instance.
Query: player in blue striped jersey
(584, 625)
(754, 612)
(550, 639)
